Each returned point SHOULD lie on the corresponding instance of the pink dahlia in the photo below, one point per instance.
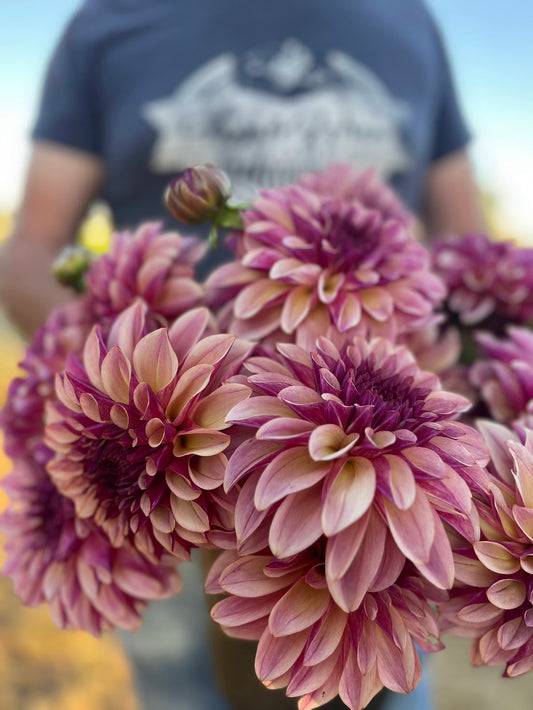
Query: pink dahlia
(341, 181)
(310, 645)
(139, 433)
(503, 375)
(490, 283)
(156, 267)
(55, 558)
(358, 446)
(22, 418)
(493, 599)
(309, 265)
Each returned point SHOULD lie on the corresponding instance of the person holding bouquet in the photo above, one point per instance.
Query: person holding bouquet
(136, 92)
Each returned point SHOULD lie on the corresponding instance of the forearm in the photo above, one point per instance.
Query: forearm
(28, 290)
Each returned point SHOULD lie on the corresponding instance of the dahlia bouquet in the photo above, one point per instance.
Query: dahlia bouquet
(344, 414)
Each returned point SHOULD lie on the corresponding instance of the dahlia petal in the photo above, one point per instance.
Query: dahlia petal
(326, 636)
(211, 411)
(328, 442)
(454, 449)
(208, 473)
(523, 471)
(484, 614)
(180, 486)
(439, 569)
(518, 668)
(413, 529)
(275, 655)
(356, 689)
(127, 328)
(296, 523)
(92, 356)
(140, 581)
(247, 517)
(496, 557)
(189, 515)
(258, 410)
(209, 350)
(324, 693)
(284, 428)
(290, 471)
(298, 609)
(377, 302)
(154, 360)
(349, 591)
(399, 670)
(258, 295)
(350, 495)
(200, 442)
(247, 457)
(187, 330)
(401, 481)
(346, 311)
(514, 634)
(296, 308)
(236, 611)
(162, 519)
(190, 384)
(246, 578)
(507, 593)
(408, 300)
(472, 572)
(524, 518)
(342, 548)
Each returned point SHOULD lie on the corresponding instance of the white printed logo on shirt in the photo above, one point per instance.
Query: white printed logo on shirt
(296, 117)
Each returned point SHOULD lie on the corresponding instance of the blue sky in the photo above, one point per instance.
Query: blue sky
(489, 42)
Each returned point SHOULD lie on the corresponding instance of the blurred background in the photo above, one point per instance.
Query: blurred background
(489, 43)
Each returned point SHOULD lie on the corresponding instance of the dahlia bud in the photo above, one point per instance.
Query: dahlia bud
(70, 267)
(198, 195)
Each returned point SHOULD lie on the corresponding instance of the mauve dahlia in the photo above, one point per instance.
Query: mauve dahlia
(139, 436)
(493, 599)
(55, 558)
(156, 267)
(309, 265)
(503, 375)
(359, 446)
(311, 646)
(22, 418)
(341, 181)
(490, 283)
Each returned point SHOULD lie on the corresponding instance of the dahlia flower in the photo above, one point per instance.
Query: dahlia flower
(310, 645)
(22, 418)
(139, 436)
(504, 374)
(69, 564)
(309, 265)
(358, 446)
(489, 283)
(493, 599)
(156, 267)
(341, 181)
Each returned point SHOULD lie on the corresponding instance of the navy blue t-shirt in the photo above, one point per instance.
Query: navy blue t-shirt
(266, 89)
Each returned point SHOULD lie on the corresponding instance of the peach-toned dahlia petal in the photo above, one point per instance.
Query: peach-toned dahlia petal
(307, 643)
(129, 436)
(344, 434)
(309, 264)
(492, 601)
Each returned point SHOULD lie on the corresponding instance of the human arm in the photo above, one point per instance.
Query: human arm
(451, 200)
(61, 184)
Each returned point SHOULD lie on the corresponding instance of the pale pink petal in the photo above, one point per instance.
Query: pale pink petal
(350, 495)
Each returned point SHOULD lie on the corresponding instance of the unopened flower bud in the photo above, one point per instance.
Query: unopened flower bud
(198, 195)
(70, 267)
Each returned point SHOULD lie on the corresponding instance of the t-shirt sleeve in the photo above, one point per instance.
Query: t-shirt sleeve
(68, 110)
(451, 131)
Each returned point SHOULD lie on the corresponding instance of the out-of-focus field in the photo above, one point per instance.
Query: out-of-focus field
(42, 668)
